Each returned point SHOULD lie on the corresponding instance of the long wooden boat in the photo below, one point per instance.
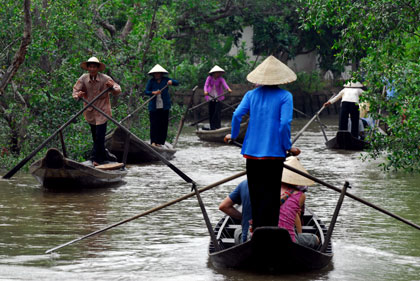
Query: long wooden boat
(270, 249)
(54, 171)
(137, 153)
(345, 140)
(219, 134)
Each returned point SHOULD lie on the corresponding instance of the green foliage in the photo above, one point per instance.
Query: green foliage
(383, 39)
(310, 83)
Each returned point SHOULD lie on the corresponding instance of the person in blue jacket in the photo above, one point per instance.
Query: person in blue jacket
(160, 105)
(267, 139)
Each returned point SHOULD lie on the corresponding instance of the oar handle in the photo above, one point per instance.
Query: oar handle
(141, 106)
(212, 99)
(149, 211)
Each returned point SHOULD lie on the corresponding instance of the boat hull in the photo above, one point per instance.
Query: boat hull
(219, 134)
(270, 250)
(137, 153)
(54, 171)
(344, 140)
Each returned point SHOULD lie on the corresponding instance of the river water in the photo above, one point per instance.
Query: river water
(171, 244)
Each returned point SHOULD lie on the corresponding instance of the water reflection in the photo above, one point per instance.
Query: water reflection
(172, 244)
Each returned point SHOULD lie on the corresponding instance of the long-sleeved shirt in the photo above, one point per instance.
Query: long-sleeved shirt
(218, 84)
(271, 111)
(348, 94)
(92, 88)
(153, 85)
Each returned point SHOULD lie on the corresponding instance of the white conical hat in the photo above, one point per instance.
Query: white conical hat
(293, 178)
(157, 68)
(216, 68)
(353, 85)
(95, 60)
(271, 72)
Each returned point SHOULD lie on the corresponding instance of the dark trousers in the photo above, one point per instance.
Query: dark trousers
(215, 115)
(352, 109)
(159, 125)
(264, 183)
(98, 135)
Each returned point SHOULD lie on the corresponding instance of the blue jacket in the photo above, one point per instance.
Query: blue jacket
(271, 111)
(153, 85)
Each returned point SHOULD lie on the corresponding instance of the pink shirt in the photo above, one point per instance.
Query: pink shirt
(218, 83)
(288, 211)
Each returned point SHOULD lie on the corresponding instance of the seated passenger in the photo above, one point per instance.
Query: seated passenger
(292, 207)
(239, 196)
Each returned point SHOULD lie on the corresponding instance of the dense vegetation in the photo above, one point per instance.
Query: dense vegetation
(187, 37)
(383, 39)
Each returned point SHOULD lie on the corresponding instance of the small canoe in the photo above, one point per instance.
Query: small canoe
(137, 153)
(345, 140)
(270, 249)
(54, 171)
(219, 134)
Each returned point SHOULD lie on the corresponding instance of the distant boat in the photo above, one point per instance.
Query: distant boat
(270, 249)
(54, 171)
(137, 153)
(219, 134)
(345, 140)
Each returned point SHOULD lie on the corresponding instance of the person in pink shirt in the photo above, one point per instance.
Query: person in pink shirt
(292, 204)
(214, 87)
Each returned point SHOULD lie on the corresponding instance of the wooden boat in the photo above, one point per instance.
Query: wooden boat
(137, 153)
(219, 134)
(344, 140)
(54, 171)
(270, 248)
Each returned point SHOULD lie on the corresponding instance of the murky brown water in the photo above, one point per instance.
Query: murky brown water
(172, 244)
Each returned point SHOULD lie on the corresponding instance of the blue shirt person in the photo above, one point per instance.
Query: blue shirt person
(239, 196)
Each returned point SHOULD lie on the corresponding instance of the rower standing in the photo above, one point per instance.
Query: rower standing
(267, 139)
(88, 86)
(214, 86)
(160, 105)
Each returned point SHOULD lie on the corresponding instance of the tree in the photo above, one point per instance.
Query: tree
(382, 39)
(6, 109)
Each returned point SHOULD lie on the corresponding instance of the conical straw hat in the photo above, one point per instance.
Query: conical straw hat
(95, 60)
(157, 68)
(293, 178)
(353, 85)
(216, 68)
(271, 72)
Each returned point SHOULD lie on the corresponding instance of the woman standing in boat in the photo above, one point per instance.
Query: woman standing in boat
(349, 105)
(214, 86)
(88, 86)
(160, 105)
(267, 139)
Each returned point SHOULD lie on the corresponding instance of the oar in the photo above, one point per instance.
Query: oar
(23, 162)
(169, 203)
(141, 106)
(309, 123)
(182, 121)
(353, 197)
(307, 116)
(207, 101)
(172, 167)
(348, 194)
(223, 110)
